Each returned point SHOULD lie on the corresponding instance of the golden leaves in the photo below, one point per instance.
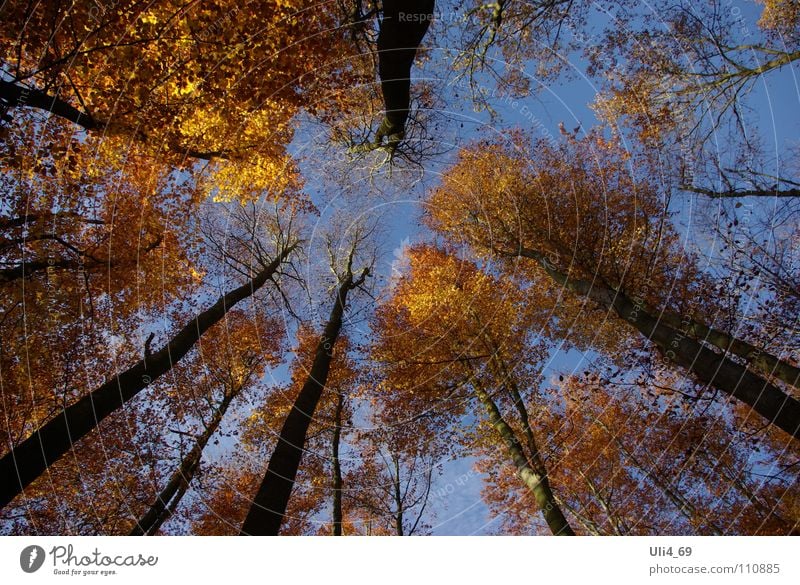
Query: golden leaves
(252, 178)
(780, 15)
(196, 81)
(578, 203)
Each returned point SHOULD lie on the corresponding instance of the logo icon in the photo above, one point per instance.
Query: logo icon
(31, 558)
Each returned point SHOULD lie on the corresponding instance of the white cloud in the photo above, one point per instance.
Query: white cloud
(399, 262)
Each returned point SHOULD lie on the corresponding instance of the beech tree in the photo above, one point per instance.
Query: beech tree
(224, 504)
(388, 491)
(230, 364)
(145, 450)
(55, 437)
(625, 463)
(690, 61)
(610, 243)
(200, 81)
(164, 183)
(681, 78)
(269, 505)
(450, 328)
(70, 275)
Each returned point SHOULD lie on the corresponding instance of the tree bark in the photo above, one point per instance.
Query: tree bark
(169, 498)
(714, 369)
(337, 468)
(403, 27)
(758, 359)
(269, 506)
(56, 437)
(398, 498)
(532, 479)
(501, 370)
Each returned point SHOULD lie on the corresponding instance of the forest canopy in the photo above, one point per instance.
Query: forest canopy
(399, 268)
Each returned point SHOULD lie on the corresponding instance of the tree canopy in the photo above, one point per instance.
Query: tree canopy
(399, 268)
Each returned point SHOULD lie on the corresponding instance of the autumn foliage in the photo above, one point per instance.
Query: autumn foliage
(205, 328)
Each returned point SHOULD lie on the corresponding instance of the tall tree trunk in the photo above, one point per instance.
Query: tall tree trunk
(269, 506)
(510, 385)
(398, 497)
(502, 371)
(337, 468)
(710, 367)
(32, 457)
(760, 360)
(403, 26)
(169, 498)
(534, 456)
(532, 479)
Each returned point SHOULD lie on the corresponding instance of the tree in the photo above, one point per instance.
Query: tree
(27, 460)
(693, 60)
(448, 327)
(110, 480)
(756, 272)
(663, 461)
(232, 364)
(403, 26)
(319, 484)
(632, 448)
(69, 270)
(608, 242)
(188, 69)
(94, 241)
(680, 77)
(409, 116)
(269, 505)
(388, 491)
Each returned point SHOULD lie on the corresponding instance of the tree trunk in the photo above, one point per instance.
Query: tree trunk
(533, 480)
(758, 359)
(169, 498)
(500, 368)
(33, 456)
(269, 506)
(337, 468)
(398, 498)
(710, 367)
(403, 26)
